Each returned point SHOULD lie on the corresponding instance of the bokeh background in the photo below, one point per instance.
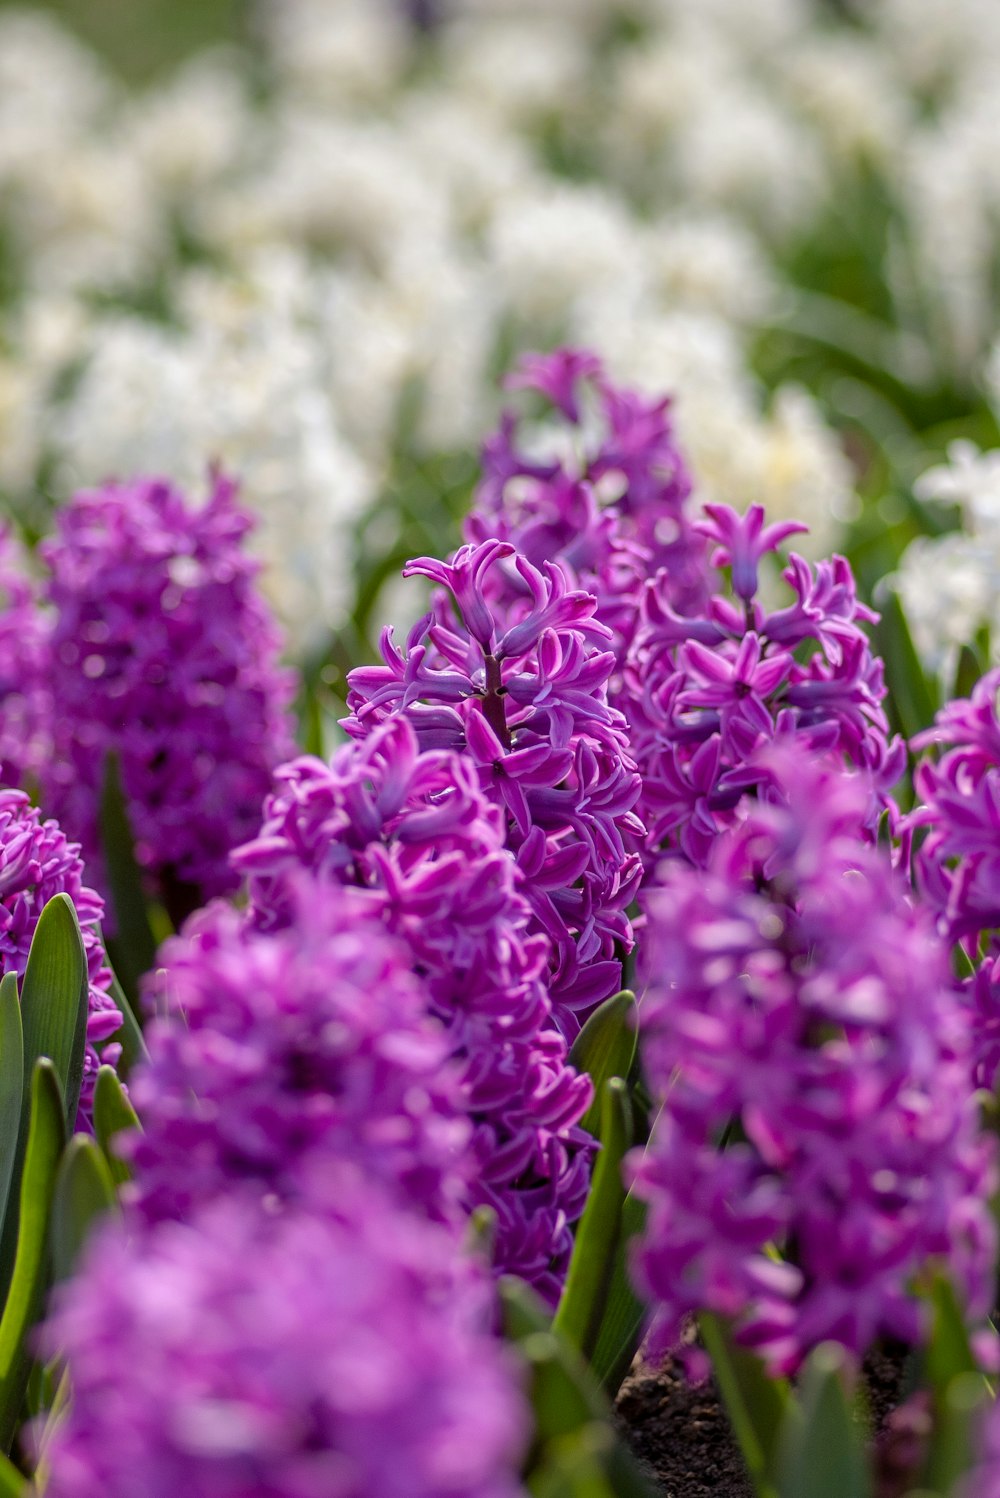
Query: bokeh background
(306, 239)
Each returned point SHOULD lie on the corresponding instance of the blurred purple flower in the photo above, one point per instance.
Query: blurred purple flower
(605, 499)
(24, 688)
(811, 1053)
(296, 1356)
(958, 863)
(416, 835)
(163, 652)
(274, 1054)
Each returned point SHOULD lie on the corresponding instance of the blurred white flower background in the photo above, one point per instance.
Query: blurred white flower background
(307, 241)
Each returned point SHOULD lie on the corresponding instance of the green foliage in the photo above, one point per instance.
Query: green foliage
(133, 947)
(113, 1115)
(606, 1048)
(757, 1404)
(54, 1007)
(585, 1296)
(46, 1140)
(823, 1442)
(11, 1084)
(624, 1313)
(84, 1192)
(575, 1451)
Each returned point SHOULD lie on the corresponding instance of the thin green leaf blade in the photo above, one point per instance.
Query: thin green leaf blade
(757, 1405)
(624, 1313)
(581, 1307)
(566, 1399)
(914, 697)
(823, 1444)
(84, 1193)
(113, 1115)
(11, 1083)
(46, 1141)
(605, 1048)
(958, 1387)
(134, 947)
(13, 1484)
(54, 1000)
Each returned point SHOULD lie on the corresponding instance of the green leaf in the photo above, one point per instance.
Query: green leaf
(574, 1467)
(953, 1442)
(46, 1140)
(113, 1114)
(958, 1386)
(11, 1083)
(605, 1048)
(949, 1351)
(130, 1035)
(581, 1307)
(913, 697)
(54, 1000)
(756, 1404)
(822, 1442)
(13, 1484)
(563, 1395)
(134, 946)
(566, 1399)
(624, 1313)
(84, 1192)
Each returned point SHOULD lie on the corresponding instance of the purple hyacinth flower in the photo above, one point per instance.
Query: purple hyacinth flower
(703, 694)
(525, 695)
(163, 653)
(608, 504)
(812, 1056)
(295, 1355)
(275, 1054)
(38, 862)
(424, 845)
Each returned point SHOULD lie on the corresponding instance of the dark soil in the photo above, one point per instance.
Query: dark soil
(680, 1431)
(681, 1435)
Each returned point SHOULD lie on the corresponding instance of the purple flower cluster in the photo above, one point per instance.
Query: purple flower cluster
(416, 835)
(605, 496)
(163, 653)
(703, 695)
(349, 1353)
(275, 1054)
(818, 1146)
(520, 690)
(24, 699)
(36, 863)
(957, 863)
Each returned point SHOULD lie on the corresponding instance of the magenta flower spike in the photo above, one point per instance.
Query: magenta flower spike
(278, 1056)
(417, 838)
(531, 712)
(297, 1355)
(162, 652)
(702, 695)
(800, 1008)
(37, 861)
